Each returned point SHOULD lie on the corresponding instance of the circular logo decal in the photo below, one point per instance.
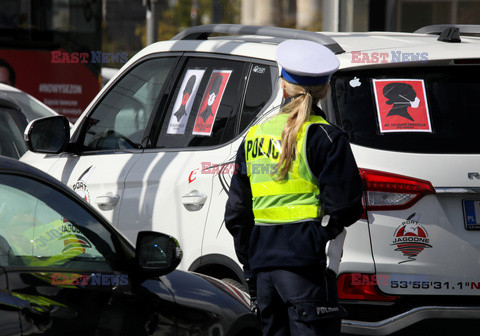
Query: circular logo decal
(411, 238)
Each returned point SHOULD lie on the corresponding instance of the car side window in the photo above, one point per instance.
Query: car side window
(41, 227)
(261, 82)
(203, 108)
(120, 120)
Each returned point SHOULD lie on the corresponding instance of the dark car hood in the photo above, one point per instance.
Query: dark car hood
(207, 306)
(198, 289)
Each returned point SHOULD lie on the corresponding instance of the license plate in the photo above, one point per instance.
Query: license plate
(471, 213)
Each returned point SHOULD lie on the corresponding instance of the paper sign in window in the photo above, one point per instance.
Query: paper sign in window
(402, 105)
(211, 101)
(184, 101)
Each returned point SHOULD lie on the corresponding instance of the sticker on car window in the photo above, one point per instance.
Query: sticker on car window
(211, 101)
(184, 101)
(402, 105)
(259, 69)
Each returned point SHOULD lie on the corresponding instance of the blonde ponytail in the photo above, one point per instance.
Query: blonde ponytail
(299, 110)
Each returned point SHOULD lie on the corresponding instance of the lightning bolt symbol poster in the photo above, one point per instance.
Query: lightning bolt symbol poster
(184, 101)
(211, 101)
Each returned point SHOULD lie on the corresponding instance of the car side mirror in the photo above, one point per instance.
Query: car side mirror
(49, 135)
(157, 253)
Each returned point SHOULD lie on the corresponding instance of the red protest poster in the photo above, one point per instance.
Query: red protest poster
(67, 88)
(211, 101)
(402, 105)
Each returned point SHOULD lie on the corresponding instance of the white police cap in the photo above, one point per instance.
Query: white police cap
(306, 62)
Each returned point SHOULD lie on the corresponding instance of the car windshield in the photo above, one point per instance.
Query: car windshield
(415, 109)
(31, 107)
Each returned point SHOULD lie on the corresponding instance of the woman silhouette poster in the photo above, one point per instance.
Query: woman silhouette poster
(184, 101)
(211, 102)
(402, 105)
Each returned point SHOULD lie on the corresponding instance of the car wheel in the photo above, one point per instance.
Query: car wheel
(234, 282)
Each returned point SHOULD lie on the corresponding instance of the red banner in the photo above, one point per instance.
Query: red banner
(67, 88)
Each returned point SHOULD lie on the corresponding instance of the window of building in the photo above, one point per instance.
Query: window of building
(414, 14)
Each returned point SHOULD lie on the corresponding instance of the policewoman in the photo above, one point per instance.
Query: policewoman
(296, 187)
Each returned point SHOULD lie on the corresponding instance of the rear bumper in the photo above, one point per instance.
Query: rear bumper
(401, 321)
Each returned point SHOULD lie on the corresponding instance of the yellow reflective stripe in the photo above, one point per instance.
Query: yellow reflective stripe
(55, 260)
(278, 188)
(286, 213)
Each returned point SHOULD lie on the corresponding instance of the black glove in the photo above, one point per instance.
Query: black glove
(252, 290)
(333, 228)
(252, 287)
(333, 231)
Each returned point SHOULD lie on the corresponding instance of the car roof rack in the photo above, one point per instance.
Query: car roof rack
(204, 31)
(451, 35)
(438, 29)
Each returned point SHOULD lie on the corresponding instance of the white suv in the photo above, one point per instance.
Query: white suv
(154, 151)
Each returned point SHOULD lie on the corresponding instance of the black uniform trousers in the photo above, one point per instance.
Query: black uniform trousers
(298, 301)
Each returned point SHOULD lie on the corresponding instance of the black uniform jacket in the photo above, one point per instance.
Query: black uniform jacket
(298, 244)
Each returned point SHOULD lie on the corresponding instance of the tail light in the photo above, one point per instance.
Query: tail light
(363, 287)
(386, 191)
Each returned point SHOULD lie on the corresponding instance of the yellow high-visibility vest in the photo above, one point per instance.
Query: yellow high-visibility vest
(296, 197)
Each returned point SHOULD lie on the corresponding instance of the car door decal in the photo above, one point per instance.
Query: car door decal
(411, 238)
(80, 187)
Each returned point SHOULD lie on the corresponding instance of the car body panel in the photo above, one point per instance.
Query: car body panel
(440, 217)
(86, 176)
(147, 189)
(358, 256)
(453, 173)
(199, 312)
(10, 325)
(90, 306)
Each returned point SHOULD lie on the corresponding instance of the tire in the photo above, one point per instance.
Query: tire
(235, 283)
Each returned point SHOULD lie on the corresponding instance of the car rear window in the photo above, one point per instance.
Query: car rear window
(417, 109)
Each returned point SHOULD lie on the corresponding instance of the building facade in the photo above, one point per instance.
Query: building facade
(359, 15)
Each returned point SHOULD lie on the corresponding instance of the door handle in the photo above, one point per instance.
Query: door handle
(194, 200)
(107, 202)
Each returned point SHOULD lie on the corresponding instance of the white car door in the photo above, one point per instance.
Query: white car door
(169, 189)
